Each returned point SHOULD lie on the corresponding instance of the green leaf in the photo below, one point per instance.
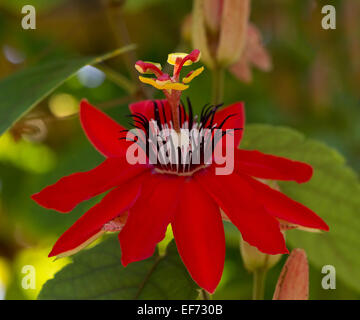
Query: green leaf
(97, 273)
(333, 193)
(24, 89)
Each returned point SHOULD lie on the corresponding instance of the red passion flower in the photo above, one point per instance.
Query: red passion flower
(144, 198)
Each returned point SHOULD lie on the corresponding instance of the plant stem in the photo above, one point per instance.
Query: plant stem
(118, 78)
(113, 11)
(259, 283)
(204, 295)
(218, 85)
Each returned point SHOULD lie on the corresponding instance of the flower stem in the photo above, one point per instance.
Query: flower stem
(218, 85)
(118, 27)
(118, 79)
(204, 295)
(259, 283)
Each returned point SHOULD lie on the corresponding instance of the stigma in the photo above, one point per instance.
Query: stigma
(171, 84)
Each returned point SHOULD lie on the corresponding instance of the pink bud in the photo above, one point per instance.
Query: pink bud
(219, 30)
(254, 54)
(293, 283)
(199, 32)
(233, 31)
(212, 12)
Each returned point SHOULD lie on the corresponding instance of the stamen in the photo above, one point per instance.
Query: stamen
(148, 68)
(183, 152)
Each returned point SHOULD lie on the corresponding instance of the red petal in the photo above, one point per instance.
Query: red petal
(146, 108)
(266, 166)
(113, 204)
(284, 208)
(69, 191)
(102, 131)
(199, 236)
(237, 119)
(239, 202)
(148, 219)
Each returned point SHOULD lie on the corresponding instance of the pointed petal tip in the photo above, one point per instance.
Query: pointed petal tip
(84, 103)
(316, 224)
(40, 199)
(307, 173)
(102, 131)
(319, 224)
(286, 210)
(52, 253)
(55, 255)
(324, 227)
(85, 106)
(85, 109)
(43, 199)
(208, 286)
(35, 197)
(56, 252)
(210, 289)
(124, 261)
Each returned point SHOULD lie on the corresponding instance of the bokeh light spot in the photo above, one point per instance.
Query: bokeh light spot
(13, 55)
(91, 77)
(63, 105)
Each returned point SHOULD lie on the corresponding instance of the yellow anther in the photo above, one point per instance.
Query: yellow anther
(139, 69)
(175, 86)
(163, 85)
(150, 81)
(173, 56)
(192, 75)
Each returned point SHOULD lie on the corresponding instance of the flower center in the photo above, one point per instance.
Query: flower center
(184, 151)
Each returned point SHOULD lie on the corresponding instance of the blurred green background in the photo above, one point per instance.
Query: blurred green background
(313, 87)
